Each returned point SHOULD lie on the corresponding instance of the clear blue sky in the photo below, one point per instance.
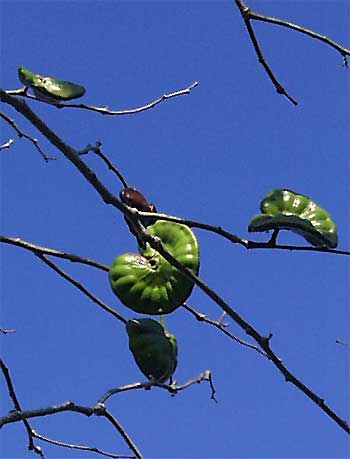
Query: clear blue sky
(209, 156)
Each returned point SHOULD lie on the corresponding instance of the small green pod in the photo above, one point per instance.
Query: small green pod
(285, 209)
(153, 348)
(48, 88)
(149, 284)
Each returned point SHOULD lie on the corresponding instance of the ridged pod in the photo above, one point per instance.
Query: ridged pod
(149, 284)
(285, 209)
(49, 88)
(154, 349)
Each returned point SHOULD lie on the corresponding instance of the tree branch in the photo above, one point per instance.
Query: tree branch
(248, 15)
(6, 144)
(106, 110)
(80, 287)
(80, 447)
(173, 389)
(38, 249)
(220, 326)
(13, 396)
(26, 136)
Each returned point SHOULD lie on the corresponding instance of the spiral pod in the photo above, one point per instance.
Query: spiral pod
(146, 282)
(285, 209)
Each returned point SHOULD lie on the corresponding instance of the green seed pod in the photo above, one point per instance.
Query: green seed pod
(285, 209)
(48, 88)
(149, 284)
(153, 348)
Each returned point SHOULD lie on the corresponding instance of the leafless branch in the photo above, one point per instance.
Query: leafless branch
(220, 326)
(13, 396)
(248, 15)
(97, 150)
(6, 144)
(109, 198)
(344, 343)
(37, 249)
(173, 389)
(106, 110)
(80, 287)
(5, 331)
(26, 136)
(80, 447)
(19, 415)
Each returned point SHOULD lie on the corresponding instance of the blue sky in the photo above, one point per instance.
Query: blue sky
(209, 156)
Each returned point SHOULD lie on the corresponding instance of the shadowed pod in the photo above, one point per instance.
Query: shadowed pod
(286, 209)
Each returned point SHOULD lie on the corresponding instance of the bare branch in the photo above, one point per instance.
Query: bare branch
(80, 287)
(36, 249)
(220, 326)
(173, 389)
(244, 10)
(5, 331)
(18, 415)
(26, 136)
(248, 15)
(97, 150)
(290, 25)
(13, 396)
(80, 447)
(106, 110)
(344, 343)
(6, 144)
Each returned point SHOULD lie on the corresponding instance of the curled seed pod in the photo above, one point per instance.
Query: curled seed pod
(48, 88)
(285, 209)
(153, 348)
(147, 283)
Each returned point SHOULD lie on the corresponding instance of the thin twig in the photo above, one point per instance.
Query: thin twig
(290, 25)
(106, 110)
(80, 447)
(220, 326)
(173, 389)
(52, 252)
(20, 134)
(16, 404)
(5, 331)
(244, 10)
(344, 343)
(80, 287)
(249, 15)
(97, 150)
(18, 415)
(6, 144)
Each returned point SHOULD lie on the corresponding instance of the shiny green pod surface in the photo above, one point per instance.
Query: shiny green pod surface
(154, 349)
(149, 284)
(285, 209)
(49, 88)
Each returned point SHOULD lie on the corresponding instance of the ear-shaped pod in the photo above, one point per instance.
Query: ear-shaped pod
(149, 284)
(285, 209)
(49, 88)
